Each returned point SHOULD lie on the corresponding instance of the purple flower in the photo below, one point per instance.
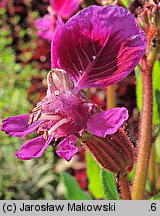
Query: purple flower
(98, 47)
(3, 3)
(65, 8)
(95, 49)
(47, 24)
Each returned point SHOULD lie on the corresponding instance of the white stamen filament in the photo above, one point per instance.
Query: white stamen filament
(50, 117)
(57, 125)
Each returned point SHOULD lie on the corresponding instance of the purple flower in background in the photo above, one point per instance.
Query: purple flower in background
(3, 3)
(47, 24)
(97, 47)
(65, 8)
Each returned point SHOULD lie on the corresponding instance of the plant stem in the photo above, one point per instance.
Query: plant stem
(152, 169)
(111, 96)
(158, 177)
(145, 130)
(124, 186)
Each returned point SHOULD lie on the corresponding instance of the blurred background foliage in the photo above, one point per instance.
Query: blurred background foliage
(24, 63)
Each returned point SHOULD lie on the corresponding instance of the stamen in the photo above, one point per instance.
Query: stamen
(37, 108)
(57, 125)
(45, 135)
(38, 115)
(30, 118)
(50, 117)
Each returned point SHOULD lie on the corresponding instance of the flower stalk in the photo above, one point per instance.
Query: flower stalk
(145, 130)
(124, 186)
(152, 177)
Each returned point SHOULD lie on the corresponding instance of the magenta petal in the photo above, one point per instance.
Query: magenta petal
(101, 46)
(33, 148)
(67, 148)
(65, 8)
(18, 125)
(107, 122)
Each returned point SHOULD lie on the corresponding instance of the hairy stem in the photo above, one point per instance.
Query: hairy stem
(124, 186)
(145, 130)
(152, 170)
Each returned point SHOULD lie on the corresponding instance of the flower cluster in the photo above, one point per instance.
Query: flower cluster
(97, 47)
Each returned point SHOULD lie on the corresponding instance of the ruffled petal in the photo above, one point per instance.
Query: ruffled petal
(99, 46)
(65, 8)
(67, 148)
(18, 125)
(33, 148)
(107, 122)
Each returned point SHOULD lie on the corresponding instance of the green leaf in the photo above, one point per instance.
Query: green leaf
(156, 197)
(156, 90)
(73, 191)
(93, 173)
(125, 2)
(157, 96)
(109, 185)
(157, 145)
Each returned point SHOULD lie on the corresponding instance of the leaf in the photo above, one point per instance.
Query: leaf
(156, 197)
(93, 173)
(157, 96)
(157, 146)
(109, 185)
(73, 191)
(156, 90)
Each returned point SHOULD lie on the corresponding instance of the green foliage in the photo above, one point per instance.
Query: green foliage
(93, 174)
(26, 179)
(73, 191)
(109, 185)
(156, 197)
(157, 146)
(156, 89)
(20, 179)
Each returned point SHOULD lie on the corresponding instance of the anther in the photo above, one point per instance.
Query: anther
(45, 135)
(30, 118)
(38, 115)
(37, 108)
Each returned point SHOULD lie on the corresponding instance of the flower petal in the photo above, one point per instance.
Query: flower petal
(107, 122)
(33, 148)
(58, 80)
(101, 46)
(18, 125)
(65, 8)
(67, 148)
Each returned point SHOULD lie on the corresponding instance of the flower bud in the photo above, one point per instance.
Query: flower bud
(114, 152)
